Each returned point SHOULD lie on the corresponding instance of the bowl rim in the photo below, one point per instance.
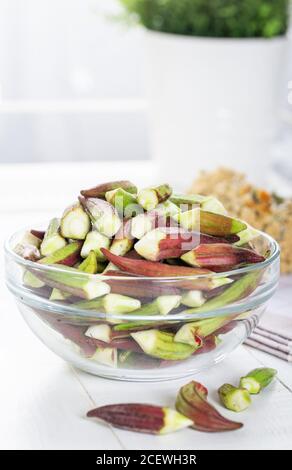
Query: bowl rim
(8, 249)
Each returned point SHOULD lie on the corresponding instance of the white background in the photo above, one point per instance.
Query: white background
(71, 83)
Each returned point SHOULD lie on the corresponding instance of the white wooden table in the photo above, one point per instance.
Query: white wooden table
(44, 400)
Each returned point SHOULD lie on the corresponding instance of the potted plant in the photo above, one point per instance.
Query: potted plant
(215, 70)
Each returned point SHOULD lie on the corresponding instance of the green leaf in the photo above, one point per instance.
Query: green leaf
(212, 18)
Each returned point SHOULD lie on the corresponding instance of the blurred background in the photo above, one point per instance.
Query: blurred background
(72, 85)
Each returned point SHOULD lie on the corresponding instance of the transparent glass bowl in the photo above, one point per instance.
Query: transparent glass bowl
(158, 352)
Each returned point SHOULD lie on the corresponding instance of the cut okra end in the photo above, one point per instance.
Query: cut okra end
(52, 240)
(111, 304)
(221, 281)
(121, 247)
(141, 224)
(258, 379)
(108, 226)
(212, 204)
(90, 265)
(118, 304)
(121, 200)
(52, 244)
(100, 332)
(30, 280)
(57, 294)
(68, 255)
(207, 203)
(93, 289)
(94, 241)
(233, 398)
(103, 215)
(75, 283)
(161, 344)
(30, 239)
(106, 356)
(163, 305)
(174, 421)
(75, 223)
(28, 247)
(148, 245)
(193, 298)
(189, 332)
(166, 303)
(247, 235)
(149, 198)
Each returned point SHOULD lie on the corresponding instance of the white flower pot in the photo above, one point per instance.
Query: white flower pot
(213, 102)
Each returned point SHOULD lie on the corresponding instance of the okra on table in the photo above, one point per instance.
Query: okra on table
(127, 256)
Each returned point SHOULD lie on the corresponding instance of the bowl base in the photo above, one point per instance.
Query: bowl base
(195, 364)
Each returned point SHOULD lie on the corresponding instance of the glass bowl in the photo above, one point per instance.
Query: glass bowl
(186, 323)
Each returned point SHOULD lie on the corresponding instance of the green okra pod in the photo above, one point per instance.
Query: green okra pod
(135, 360)
(111, 304)
(210, 223)
(233, 398)
(94, 241)
(162, 305)
(77, 284)
(30, 280)
(118, 304)
(207, 203)
(187, 199)
(67, 255)
(192, 401)
(121, 200)
(101, 190)
(220, 256)
(246, 236)
(258, 379)
(150, 198)
(52, 240)
(237, 290)
(123, 241)
(135, 325)
(89, 265)
(161, 344)
(189, 331)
